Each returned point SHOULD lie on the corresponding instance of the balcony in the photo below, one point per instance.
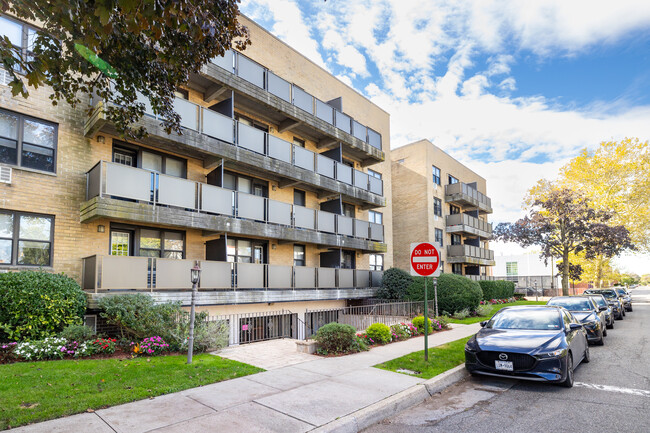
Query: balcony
(470, 254)
(480, 277)
(261, 91)
(117, 191)
(467, 197)
(224, 282)
(209, 135)
(463, 223)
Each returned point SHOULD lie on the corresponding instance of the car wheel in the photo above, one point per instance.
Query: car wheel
(610, 325)
(623, 311)
(605, 332)
(630, 310)
(587, 357)
(601, 340)
(568, 382)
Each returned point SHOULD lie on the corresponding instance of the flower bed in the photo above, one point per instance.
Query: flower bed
(499, 301)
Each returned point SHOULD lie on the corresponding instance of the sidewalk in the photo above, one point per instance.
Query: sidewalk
(298, 397)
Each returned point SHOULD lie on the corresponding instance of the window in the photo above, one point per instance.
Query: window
(181, 93)
(299, 197)
(451, 179)
(512, 269)
(27, 142)
(436, 175)
(439, 237)
(299, 255)
(250, 122)
(374, 174)
(348, 210)
(298, 142)
(239, 251)
(437, 206)
(376, 262)
(149, 242)
(249, 185)
(457, 268)
(159, 162)
(375, 217)
(456, 239)
(347, 260)
(453, 210)
(20, 35)
(26, 239)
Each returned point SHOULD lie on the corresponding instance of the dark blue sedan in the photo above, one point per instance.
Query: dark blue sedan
(541, 343)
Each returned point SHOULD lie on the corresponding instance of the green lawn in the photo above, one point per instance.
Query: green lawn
(495, 308)
(441, 359)
(38, 391)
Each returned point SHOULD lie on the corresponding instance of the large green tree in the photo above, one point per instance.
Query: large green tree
(146, 46)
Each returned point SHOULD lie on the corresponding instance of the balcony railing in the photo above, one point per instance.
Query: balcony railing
(114, 273)
(467, 220)
(469, 193)
(227, 129)
(469, 251)
(481, 277)
(121, 181)
(260, 76)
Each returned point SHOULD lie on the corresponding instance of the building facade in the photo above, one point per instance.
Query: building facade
(437, 199)
(528, 271)
(279, 187)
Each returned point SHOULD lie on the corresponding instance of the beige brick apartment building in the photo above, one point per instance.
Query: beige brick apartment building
(279, 186)
(437, 199)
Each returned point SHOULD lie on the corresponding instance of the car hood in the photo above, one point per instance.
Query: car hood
(516, 340)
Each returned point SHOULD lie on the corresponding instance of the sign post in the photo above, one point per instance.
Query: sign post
(425, 262)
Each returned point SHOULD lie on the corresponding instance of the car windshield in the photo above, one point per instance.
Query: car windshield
(598, 300)
(621, 292)
(539, 319)
(609, 294)
(572, 304)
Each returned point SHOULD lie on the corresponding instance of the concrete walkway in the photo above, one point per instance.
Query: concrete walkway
(296, 394)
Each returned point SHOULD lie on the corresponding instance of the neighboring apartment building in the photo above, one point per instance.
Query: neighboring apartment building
(278, 186)
(528, 271)
(437, 199)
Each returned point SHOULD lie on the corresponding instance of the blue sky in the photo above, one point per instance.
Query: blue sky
(513, 92)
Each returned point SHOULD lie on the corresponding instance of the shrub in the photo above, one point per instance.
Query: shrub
(152, 346)
(498, 289)
(335, 338)
(484, 310)
(437, 324)
(462, 314)
(418, 322)
(77, 333)
(35, 305)
(455, 292)
(211, 335)
(379, 332)
(394, 284)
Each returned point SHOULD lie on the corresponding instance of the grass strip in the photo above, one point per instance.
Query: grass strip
(38, 391)
(495, 308)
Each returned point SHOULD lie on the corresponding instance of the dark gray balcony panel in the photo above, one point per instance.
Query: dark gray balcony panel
(344, 173)
(189, 113)
(375, 278)
(218, 126)
(94, 182)
(324, 112)
(374, 139)
(377, 232)
(343, 122)
(279, 213)
(175, 191)
(279, 87)
(376, 185)
(216, 200)
(344, 225)
(305, 218)
(215, 275)
(128, 182)
(325, 166)
(250, 71)
(361, 229)
(279, 277)
(225, 61)
(326, 222)
(304, 277)
(360, 179)
(250, 275)
(359, 130)
(303, 100)
(346, 278)
(279, 149)
(362, 278)
(326, 278)
(303, 158)
(250, 206)
(251, 138)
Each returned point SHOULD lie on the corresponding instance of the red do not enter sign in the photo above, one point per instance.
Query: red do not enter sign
(425, 259)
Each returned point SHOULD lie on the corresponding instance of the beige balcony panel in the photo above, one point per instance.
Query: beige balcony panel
(250, 206)
(279, 213)
(218, 126)
(326, 221)
(279, 277)
(326, 278)
(189, 113)
(128, 182)
(250, 276)
(346, 278)
(173, 274)
(175, 191)
(120, 272)
(215, 275)
(344, 173)
(279, 87)
(250, 71)
(225, 61)
(304, 217)
(305, 278)
(251, 138)
(303, 158)
(279, 149)
(217, 200)
(325, 166)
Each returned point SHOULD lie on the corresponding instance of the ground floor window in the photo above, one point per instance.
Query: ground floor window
(457, 268)
(376, 262)
(26, 238)
(146, 242)
(299, 255)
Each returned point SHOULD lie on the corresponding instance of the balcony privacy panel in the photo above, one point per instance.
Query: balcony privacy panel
(89, 272)
(251, 138)
(377, 232)
(175, 191)
(304, 277)
(173, 274)
(189, 113)
(304, 217)
(250, 71)
(326, 278)
(324, 112)
(375, 278)
(215, 275)
(325, 166)
(362, 278)
(344, 173)
(343, 122)
(303, 100)
(361, 229)
(279, 149)
(374, 139)
(218, 126)
(344, 225)
(358, 130)
(250, 206)
(217, 200)
(279, 277)
(303, 158)
(94, 181)
(360, 179)
(147, 104)
(279, 213)
(376, 185)
(225, 62)
(279, 87)
(119, 272)
(346, 278)
(326, 222)
(250, 276)
(128, 182)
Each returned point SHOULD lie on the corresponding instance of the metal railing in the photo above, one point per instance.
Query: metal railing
(260, 326)
(480, 277)
(117, 180)
(469, 251)
(464, 219)
(469, 192)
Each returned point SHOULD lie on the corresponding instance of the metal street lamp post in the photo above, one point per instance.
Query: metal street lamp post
(195, 276)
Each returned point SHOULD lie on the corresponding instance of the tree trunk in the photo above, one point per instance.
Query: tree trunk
(599, 271)
(565, 273)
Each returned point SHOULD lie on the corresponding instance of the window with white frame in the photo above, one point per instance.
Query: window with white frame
(439, 237)
(374, 174)
(436, 175)
(376, 262)
(512, 269)
(375, 217)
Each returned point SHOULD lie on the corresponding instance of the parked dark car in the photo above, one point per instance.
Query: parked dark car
(609, 312)
(625, 295)
(541, 343)
(612, 299)
(587, 312)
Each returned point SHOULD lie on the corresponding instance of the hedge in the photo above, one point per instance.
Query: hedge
(455, 292)
(499, 289)
(394, 285)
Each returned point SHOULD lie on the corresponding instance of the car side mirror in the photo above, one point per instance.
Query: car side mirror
(603, 308)
(575, 326)
(483, 323)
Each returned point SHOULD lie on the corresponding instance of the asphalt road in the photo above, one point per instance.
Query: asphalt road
(611, 393)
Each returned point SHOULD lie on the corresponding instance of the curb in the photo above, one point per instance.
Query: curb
(390, 406)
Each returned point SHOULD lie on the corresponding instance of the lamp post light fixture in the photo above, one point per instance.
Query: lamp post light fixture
(195, 277)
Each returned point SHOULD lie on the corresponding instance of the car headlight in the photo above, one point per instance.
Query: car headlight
(554, 354)
(590, 323)
(471, 345)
